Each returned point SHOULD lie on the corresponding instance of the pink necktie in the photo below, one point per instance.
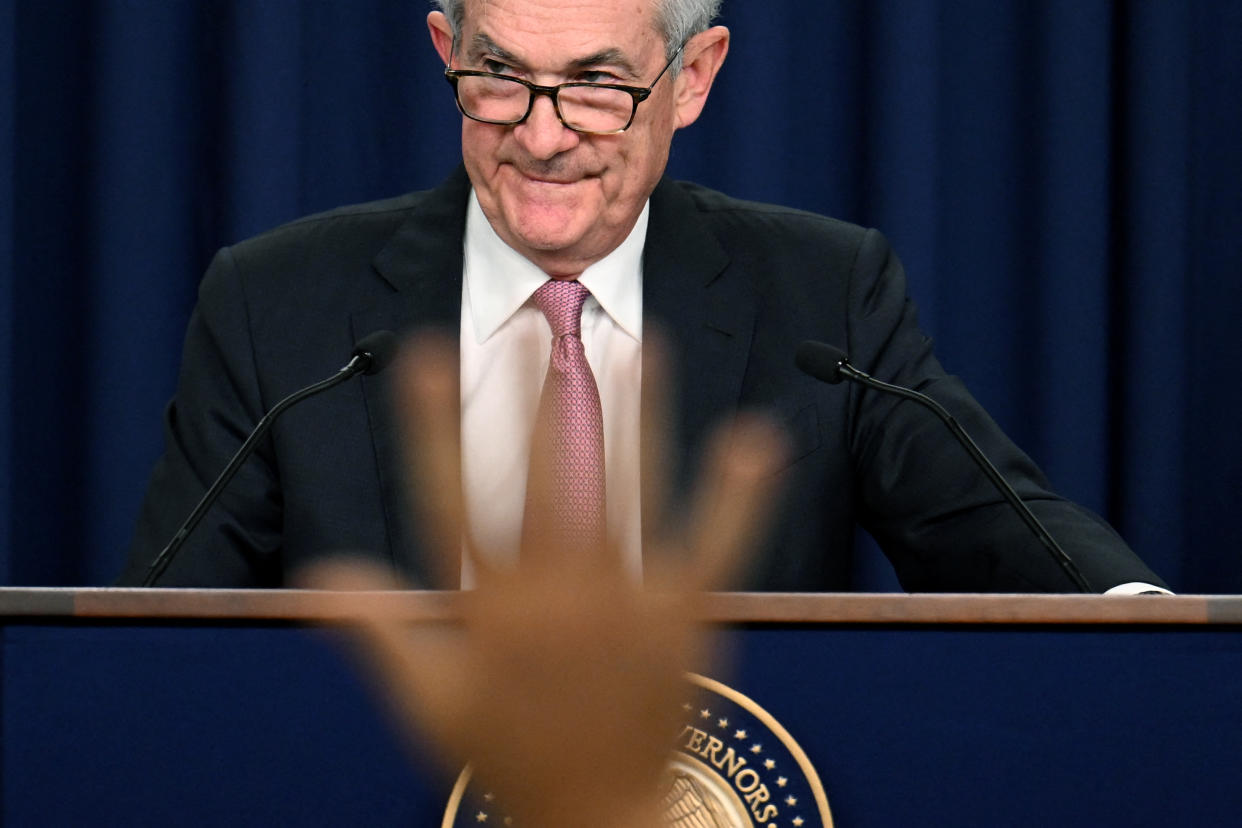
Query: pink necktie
(571, 423)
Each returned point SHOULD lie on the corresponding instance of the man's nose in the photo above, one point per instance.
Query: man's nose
(542, 134)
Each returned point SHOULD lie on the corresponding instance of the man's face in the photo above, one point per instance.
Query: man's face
(560, 198)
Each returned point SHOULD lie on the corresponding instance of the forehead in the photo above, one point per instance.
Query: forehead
(568, 27)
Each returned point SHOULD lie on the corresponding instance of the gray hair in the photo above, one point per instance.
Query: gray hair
(676, 20)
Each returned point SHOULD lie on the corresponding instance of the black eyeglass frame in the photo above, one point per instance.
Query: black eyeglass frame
(637, 93)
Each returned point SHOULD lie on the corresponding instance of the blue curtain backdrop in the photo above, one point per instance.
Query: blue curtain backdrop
(1063, 180)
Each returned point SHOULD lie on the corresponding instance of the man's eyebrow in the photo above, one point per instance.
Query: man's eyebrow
(606, 57)
(481, 44)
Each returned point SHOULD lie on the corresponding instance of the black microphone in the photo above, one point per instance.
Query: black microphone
(370, 356)
(831, 365)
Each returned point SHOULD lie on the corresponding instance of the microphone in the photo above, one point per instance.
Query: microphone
(831, 365)
(370, 356)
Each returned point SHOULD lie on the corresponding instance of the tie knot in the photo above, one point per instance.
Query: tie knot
(561, 303)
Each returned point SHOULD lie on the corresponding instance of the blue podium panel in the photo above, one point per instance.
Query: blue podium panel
(1009, 726)
(185, 725)
(258, 722)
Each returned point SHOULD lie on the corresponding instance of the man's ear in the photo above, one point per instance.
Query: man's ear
(702, 58)
(441, 35)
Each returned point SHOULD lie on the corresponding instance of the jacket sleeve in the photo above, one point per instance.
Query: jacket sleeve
(218, 402)
(938, 518)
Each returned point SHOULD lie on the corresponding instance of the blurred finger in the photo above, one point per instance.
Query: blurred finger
(346, 574)
(732, 500)
(656, 427)
(545, 541)
(564, 525)
(429, 397)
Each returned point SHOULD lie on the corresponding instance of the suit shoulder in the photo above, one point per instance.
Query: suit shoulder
(325, 259)
(373, 219)
(773, 238)
(739, 215)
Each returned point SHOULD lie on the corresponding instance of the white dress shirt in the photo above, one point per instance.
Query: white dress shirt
(505, 347)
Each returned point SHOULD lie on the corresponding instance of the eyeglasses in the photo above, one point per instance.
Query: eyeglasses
(590, 108)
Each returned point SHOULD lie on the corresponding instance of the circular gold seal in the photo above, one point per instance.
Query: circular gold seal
(733, 766)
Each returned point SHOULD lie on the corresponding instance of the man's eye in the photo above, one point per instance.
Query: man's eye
(496, 67)
(596, 76)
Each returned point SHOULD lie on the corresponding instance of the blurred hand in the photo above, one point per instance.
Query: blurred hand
(564, 679)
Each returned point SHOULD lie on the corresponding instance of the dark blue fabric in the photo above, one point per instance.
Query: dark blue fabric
(1063, 180)
(8, 43)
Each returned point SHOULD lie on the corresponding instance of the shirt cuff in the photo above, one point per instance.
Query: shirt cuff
(1136, 588)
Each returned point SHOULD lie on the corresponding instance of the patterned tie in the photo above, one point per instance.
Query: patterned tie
(570, 428)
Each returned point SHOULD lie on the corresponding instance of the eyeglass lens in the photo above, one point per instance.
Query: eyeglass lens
(588, 108)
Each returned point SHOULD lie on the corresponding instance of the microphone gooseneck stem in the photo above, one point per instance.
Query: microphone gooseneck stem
(358, 364)
(982, 461)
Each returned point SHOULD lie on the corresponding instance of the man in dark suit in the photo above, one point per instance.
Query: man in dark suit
(565, 139)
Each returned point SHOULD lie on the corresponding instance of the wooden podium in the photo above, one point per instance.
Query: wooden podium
(189, 707)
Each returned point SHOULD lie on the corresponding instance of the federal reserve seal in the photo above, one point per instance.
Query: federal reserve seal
(733, 766)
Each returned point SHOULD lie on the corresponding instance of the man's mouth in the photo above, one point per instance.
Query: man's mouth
(561, 177)
(544, 179)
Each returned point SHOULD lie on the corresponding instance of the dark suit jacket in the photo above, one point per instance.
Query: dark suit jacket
(735, 286)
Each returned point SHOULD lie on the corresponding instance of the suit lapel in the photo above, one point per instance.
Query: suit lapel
(705, 311)
(422, 263)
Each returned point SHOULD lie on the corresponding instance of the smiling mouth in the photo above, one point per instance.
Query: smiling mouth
(551, 177)
(538, 179)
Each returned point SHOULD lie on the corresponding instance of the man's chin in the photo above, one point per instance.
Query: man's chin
(557, 241)
(547, 230)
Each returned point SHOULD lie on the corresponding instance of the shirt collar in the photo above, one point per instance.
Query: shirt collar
(499, 280)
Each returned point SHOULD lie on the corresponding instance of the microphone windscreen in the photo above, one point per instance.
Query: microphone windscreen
(820, 360)
(380, 347)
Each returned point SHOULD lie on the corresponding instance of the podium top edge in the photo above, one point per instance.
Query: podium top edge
(60, 604)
